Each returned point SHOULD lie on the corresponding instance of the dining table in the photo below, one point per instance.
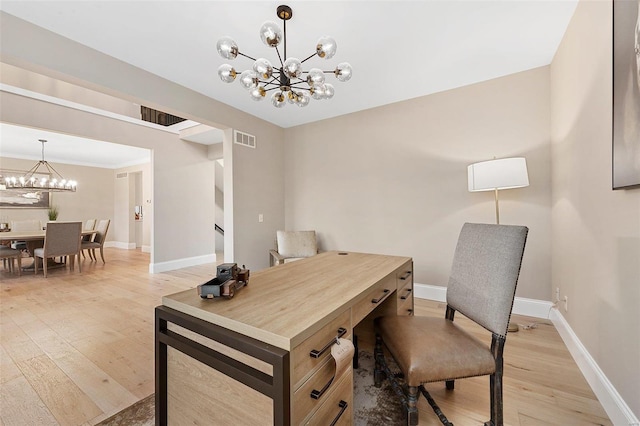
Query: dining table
(34, 240)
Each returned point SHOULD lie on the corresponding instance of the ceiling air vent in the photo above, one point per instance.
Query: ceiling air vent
(245, 139)
(121, 175)
(159, 117)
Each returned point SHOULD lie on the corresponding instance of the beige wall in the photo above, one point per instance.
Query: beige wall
(596, 231)
(394, 179)
(256, 186)
(92, 200)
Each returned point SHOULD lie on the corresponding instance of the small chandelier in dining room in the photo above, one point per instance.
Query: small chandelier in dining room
(42, 177)
(289, 81)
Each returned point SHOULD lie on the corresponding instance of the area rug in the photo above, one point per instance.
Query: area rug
(373, 406)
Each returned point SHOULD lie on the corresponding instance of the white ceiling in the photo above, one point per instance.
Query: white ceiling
(398, 49)
(22, 142)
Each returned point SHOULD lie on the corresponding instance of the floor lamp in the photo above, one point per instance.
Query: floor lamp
(495, 175)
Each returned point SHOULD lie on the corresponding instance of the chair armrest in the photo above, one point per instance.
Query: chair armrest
(276, 258)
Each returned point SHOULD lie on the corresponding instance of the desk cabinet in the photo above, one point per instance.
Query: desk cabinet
(257, 358)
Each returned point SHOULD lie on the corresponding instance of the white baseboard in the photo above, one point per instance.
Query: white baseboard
(155, 268)
(120, 245)
(521, 306)
(617, 409)
(146, 249)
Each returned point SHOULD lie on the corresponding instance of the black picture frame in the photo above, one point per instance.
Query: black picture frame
(626, 94)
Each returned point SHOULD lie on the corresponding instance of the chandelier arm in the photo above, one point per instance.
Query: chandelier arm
(280, 57)
(246, 56)
(284, 24)
(51, 169)
(308, 57)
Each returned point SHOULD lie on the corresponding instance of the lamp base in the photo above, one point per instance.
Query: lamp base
(513, 327)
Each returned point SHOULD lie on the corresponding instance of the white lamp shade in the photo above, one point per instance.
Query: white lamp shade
(505, 173)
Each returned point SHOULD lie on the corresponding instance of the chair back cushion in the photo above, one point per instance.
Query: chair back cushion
(297, 243)
(485, 270)
(26, 225)
(62, 238)
(101, 231)
(89, 225)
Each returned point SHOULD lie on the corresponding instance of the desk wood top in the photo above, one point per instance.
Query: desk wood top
(285, 304)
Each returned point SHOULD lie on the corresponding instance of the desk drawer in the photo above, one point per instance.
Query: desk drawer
(303, 363)
(338, 407)
(304, 403)
(373, 299)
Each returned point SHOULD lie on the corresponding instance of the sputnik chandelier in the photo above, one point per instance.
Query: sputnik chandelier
(289, 81)
(36, 180)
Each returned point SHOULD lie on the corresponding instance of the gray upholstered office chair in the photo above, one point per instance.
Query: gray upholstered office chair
(7, 254)
(482, 286)
(293, 245)
(98, 240)
(61, 239)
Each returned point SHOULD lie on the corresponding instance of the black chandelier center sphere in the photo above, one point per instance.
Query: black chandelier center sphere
(289, 81)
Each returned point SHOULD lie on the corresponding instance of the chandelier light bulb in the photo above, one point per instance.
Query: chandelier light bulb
(263, 68)
(270, 34)
(315, 77)
(329, 91)
(303, 99)
(292, 68)
(249, 79)
(317, 92)
(343, 71)
(326, 47)
(227, 48)
(258, 93)
(227, 73)
(278, 99)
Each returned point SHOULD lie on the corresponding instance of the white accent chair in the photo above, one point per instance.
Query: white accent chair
(61, 239)
(293, 245)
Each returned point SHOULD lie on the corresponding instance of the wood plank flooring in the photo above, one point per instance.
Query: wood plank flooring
(76, 348)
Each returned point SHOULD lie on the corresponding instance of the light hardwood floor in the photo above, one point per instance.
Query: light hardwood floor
(76, 348)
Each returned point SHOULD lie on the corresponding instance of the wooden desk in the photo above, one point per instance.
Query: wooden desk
(247, 360)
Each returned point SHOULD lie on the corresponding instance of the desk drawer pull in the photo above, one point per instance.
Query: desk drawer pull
(406, 295)
(343, 406)
(316, 394)
(384, 293)
(316, 353)
(407, 275)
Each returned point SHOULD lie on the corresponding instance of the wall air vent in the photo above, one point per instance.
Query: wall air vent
(121, 175)
(245, 139)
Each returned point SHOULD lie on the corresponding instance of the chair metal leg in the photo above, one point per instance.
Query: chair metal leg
(378, 372)
(450, 384)
(495, 383)
(412, 406)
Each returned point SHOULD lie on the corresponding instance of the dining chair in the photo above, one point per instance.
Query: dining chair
(24, 226)
(89, 225)
(7, 254)
(482, 286)
(61, 239)
(98, 240)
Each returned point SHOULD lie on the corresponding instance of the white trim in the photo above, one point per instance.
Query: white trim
(146, 249)
(617, 409)
(521, 305)
(120, 245)
(92, 110)
(155, 268)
